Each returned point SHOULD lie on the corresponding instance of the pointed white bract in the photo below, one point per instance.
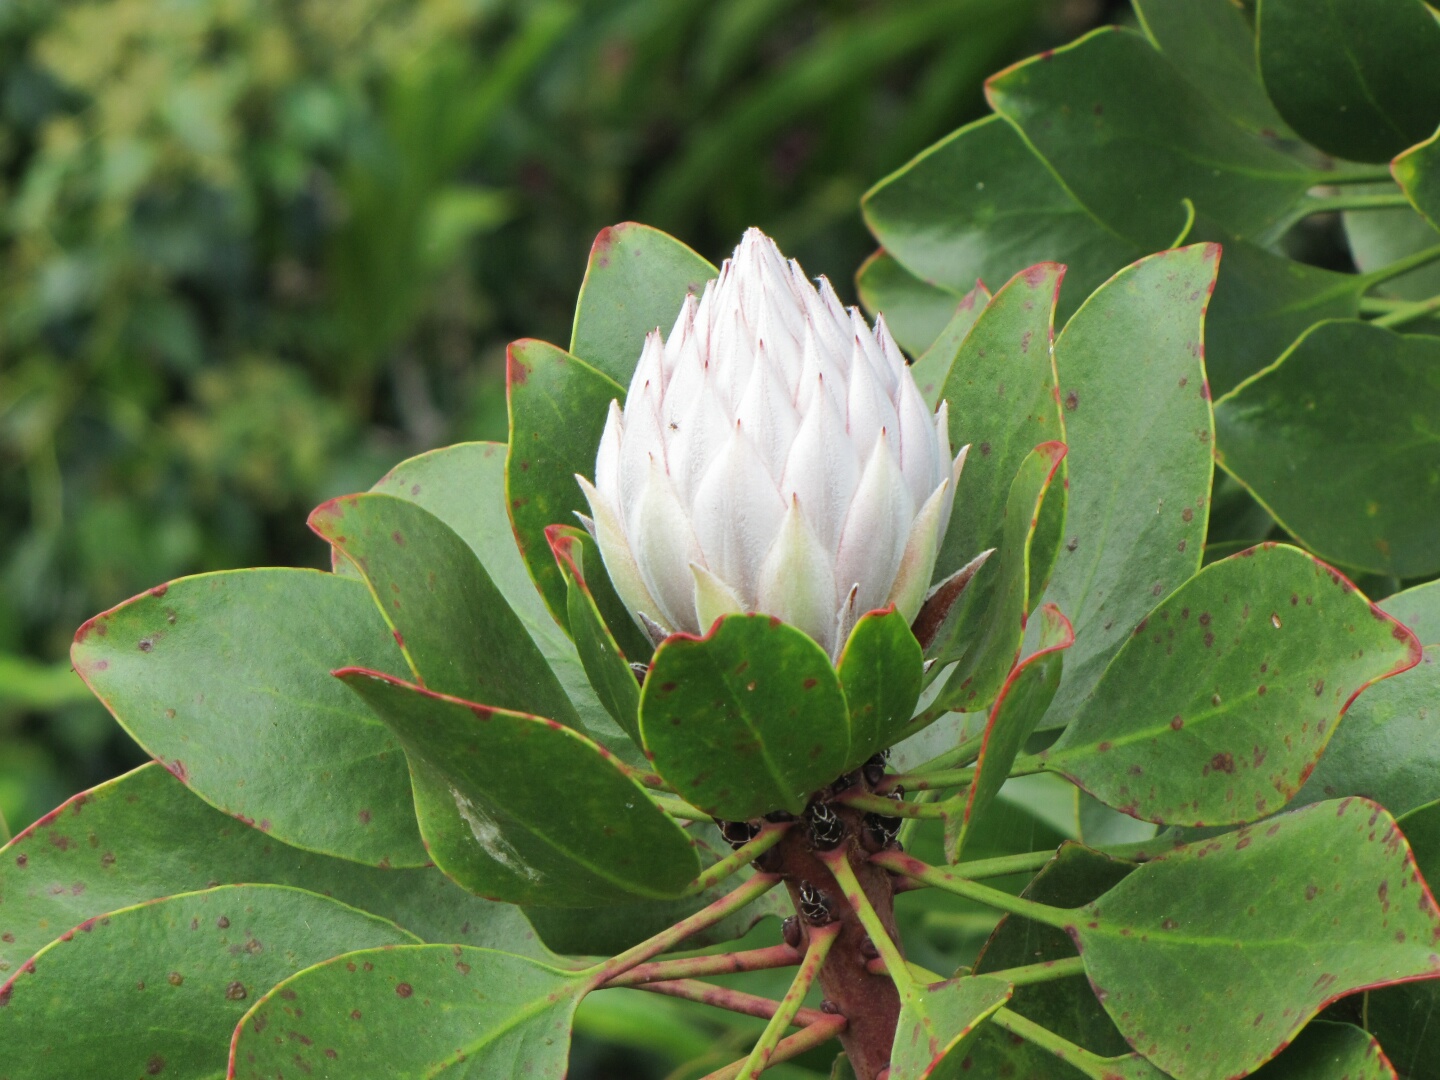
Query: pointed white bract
(773, 455)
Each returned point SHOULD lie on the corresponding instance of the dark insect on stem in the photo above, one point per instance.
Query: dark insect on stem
(881, 831)
(827, 831)
(874, 770)
(814, 905)
(737, 833)
(790, 931)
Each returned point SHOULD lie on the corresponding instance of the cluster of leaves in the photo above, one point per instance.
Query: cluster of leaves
(256, 252)
(451, 714)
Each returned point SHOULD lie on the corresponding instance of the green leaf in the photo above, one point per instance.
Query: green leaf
(1242, 938)
(981, 204)
(1211, 44)
(1132, 138)
(916, 311)
(1353, 77)
(1217, 708)
(937, 1023)
(1403, 1016)
(605, 664)
(990, 624)
(1138, 424)
(144, 836)
(464, 486)
(1326, 1051)
(1418, 173)
(522, 809)
(450, 621)
(748, 719)
(1018, 707)
(558, 406)
(880, 670)
(170, 978)
(413, 1013)
(933, 368)
(223, 678)
(1334, 439)
(1002, 402)
(637, 280)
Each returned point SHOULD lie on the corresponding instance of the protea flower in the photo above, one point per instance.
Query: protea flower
(773, 455)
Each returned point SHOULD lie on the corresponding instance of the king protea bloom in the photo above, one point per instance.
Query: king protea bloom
(773, 455)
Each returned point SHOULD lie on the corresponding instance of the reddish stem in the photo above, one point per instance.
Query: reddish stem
(811, 1036)
(723, 997)
(774, 956)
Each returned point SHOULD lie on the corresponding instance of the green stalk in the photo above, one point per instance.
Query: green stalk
(1334, 203)
(813, 1035)
(1408, 313)
(727, 905)
(770, 835)
(722, 997)
(687, 967)
(901, 863)
(1401, 266)
(821, 938)
(839, 865)
(1048, 971)
(1092, 1065)
(678, 808)
(927, 781)
(877, 804)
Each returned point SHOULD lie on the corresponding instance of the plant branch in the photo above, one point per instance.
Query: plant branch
(926, 781)
(1401, 266)
(770, 835)
(821, 938)
(678, 808)
(901, 863)
(1408, 312)
(1326, 204)
(773, 956)
(1091, 1064)
(813, 1035)
(1047, 971)
(709, 915)
(722, 997)
(839, 865)
(878, 804)
(1359, 174)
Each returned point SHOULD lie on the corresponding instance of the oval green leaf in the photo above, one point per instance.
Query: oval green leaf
(452, 624)
(558, 406)
(932, 368)
(880, 670)
(144, 836)
(604, 663)
(636, 280)
(748, 719)
(1017, 709)
(1334, 440)
(523, 809)
(170, 978)
(1132, 139)
(224, 679)
(1139, 428)
(1002, 403)
(1219, 705)
(1353, 77)
(412, 1013)
(1213, 956)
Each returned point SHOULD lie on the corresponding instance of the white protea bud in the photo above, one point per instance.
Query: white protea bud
(773, 455)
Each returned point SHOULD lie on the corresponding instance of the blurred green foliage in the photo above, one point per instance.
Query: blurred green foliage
(252, 252)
